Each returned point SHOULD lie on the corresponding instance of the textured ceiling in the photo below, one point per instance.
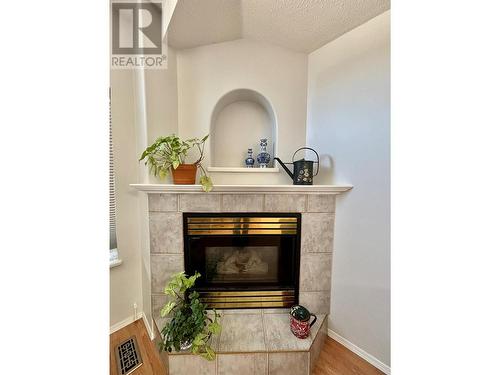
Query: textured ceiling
(300, 25)
(200, 22)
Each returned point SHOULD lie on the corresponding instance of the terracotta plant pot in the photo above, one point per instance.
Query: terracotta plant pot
(185, 174)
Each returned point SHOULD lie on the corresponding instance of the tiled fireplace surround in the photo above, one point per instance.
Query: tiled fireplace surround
(251, 341)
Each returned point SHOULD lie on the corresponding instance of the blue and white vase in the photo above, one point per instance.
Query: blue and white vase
(250, 161)
(263, 158)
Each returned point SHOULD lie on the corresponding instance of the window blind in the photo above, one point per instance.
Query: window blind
(112, 198)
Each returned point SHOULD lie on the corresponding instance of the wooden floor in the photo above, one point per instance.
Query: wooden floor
(152, 364)
(334, 359)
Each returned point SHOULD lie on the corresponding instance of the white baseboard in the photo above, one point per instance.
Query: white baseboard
(148, 327)
(366, 356)
(125, 322)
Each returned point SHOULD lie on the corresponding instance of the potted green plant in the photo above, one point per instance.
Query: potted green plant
(168, 154)
(190, 327)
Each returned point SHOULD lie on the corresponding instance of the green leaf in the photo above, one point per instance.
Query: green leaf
(206, 183)
(199, 339)
(144, 154)
(175, 163)
(167, 308)
(189, 318)
(162, 173)
(191, 280)
(214, 327)
(209, 353)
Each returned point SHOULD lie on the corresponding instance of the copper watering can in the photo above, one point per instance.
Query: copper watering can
(302, 169)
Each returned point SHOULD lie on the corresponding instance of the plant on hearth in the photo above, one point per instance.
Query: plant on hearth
(167, 153)
(189, 325)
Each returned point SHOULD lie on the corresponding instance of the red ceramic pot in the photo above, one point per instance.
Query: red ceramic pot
(300, 323)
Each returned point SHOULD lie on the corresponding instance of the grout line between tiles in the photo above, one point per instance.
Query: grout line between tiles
(264, 329)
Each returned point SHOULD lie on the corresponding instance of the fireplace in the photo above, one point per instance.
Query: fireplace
(246, 260)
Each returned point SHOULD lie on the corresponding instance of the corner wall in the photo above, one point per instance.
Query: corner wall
(144, 106)
(205, 74)
(348, 123)
(125, 280)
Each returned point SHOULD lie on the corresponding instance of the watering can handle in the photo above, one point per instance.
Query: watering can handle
(317, 157)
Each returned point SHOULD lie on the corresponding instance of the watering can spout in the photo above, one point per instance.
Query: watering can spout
(285, 167)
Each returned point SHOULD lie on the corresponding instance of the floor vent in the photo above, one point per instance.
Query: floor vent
(128, 356)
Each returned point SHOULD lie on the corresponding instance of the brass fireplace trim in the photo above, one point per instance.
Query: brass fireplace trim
(242, 219)
(242, 299)
(241, 231)
(250, 299)
(238, 293)
(239, 305)
(241, 225)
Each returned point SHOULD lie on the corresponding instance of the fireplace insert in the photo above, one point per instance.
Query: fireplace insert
(246, 260)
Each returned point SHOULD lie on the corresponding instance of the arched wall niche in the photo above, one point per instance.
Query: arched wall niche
(239, 120)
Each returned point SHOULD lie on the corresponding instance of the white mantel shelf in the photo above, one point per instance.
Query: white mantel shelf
(244, 189)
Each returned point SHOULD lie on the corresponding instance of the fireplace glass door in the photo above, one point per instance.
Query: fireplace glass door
(245, 261)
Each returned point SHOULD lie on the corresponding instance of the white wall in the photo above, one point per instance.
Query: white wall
(251, 118)
(161, 103)
(161, 98)
(160, 119)
(144, 106)
(168, 7)
(206, 73)
(125, 280)
(348, 123)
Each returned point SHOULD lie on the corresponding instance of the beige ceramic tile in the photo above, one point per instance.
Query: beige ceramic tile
(317, 326)
(284, 310)
(242, 364)
(285, 203)
(315, 272)
(317, 345)
(316, 302)
(165, 232)
(202, 202)
(242, 333)
(289, 363)
(157, 303)
(190, 364)
(278, 335)
(242, 202)
(163, 266)
(317, 233)
(321, 203)
(162, 202)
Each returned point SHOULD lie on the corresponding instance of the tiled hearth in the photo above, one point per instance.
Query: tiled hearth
(256, 342)
(252, 341)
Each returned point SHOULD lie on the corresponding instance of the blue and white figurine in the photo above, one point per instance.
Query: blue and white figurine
(263, 158)
(250, 161)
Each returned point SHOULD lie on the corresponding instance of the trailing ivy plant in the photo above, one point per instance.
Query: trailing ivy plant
(167, 153)
(189, 321)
